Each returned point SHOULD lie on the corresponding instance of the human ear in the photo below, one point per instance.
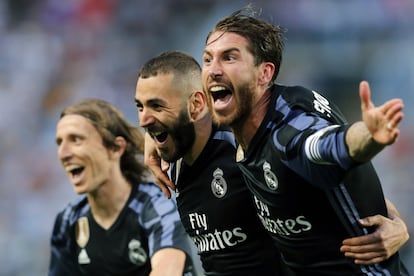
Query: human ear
(267, 69)
(120, 146)
(197, 104)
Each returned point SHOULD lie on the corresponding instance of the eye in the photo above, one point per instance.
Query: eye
(156, 106)
(206, 59)
(230, 58)
(138, 105)
(75, 139)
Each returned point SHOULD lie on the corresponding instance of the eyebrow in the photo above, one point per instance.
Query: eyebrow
(152, 101)
(225, 51)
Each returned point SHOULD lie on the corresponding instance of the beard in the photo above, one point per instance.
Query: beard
(182, 133)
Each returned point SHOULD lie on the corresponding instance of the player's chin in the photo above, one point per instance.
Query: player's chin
(167, 155)
(222, 118)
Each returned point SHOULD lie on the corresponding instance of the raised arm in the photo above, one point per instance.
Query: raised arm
(390, 235)
(157, 167)
(378, 129)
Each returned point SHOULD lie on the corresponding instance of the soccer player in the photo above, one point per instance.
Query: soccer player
(308, 170)
(172, 107)
(121, 225)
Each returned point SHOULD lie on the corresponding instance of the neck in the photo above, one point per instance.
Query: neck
(109, 200)
(203, 128)
(246, 129)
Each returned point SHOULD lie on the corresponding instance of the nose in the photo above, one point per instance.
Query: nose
(64, 151)
(145, 118)
(214, 70)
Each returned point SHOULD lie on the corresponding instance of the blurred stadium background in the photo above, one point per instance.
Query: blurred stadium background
(54, 52)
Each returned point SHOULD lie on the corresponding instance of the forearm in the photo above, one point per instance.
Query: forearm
(361, 145)
(168, 261)
(396, 217)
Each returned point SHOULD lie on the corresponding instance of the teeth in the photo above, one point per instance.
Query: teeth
(154, 134)
(217, 88)
(72, 167)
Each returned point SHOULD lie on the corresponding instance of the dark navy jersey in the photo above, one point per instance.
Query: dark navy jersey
(308, 192)
(148, 223)
(217, 212)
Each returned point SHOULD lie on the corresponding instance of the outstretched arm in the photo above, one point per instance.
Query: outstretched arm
(390, 235)
(157, 166)
(378, 129)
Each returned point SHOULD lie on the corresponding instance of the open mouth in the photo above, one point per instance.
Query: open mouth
(220, 93)
(161, 138)
(75, 170)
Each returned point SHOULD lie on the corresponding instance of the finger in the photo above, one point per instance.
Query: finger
(360, 241)
(363, 247)
(160, 179)
(394, 109)
(371, 220)
(163, 179)
(165, 190)
(365, 95)
(165, 166)
(369, 261)
(365, 256)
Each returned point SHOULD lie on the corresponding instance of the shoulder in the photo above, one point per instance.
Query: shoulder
(73, 211)
(66, 218)
(149, 198)
(299, 96)
(308, 100)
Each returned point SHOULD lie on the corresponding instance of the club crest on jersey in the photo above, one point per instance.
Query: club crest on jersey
(136, 253)
(82, 238)
(270, 177)
(218, 184)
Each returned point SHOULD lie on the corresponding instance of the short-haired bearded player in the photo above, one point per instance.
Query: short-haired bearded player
(308, 170)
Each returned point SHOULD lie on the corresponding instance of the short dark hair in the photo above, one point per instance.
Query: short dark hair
(266, 41)
(176, 62)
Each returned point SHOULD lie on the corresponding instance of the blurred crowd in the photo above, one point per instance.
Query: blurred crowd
(55, 52)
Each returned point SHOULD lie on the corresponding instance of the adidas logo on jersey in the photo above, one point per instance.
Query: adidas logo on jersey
(83, 257)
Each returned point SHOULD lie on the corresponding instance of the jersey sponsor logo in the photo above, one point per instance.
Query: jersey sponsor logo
(136, 253)
(198, 221)
(218, 184)
(278, 226)
(219, 240)
(286, 227)
(82, 238)
(213, 240)
(270, 177)
(321, 104)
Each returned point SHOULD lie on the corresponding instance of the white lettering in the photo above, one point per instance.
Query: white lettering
(262, 207)
(278, 226)
(321, 104)
(198, 221)
(219, 240)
